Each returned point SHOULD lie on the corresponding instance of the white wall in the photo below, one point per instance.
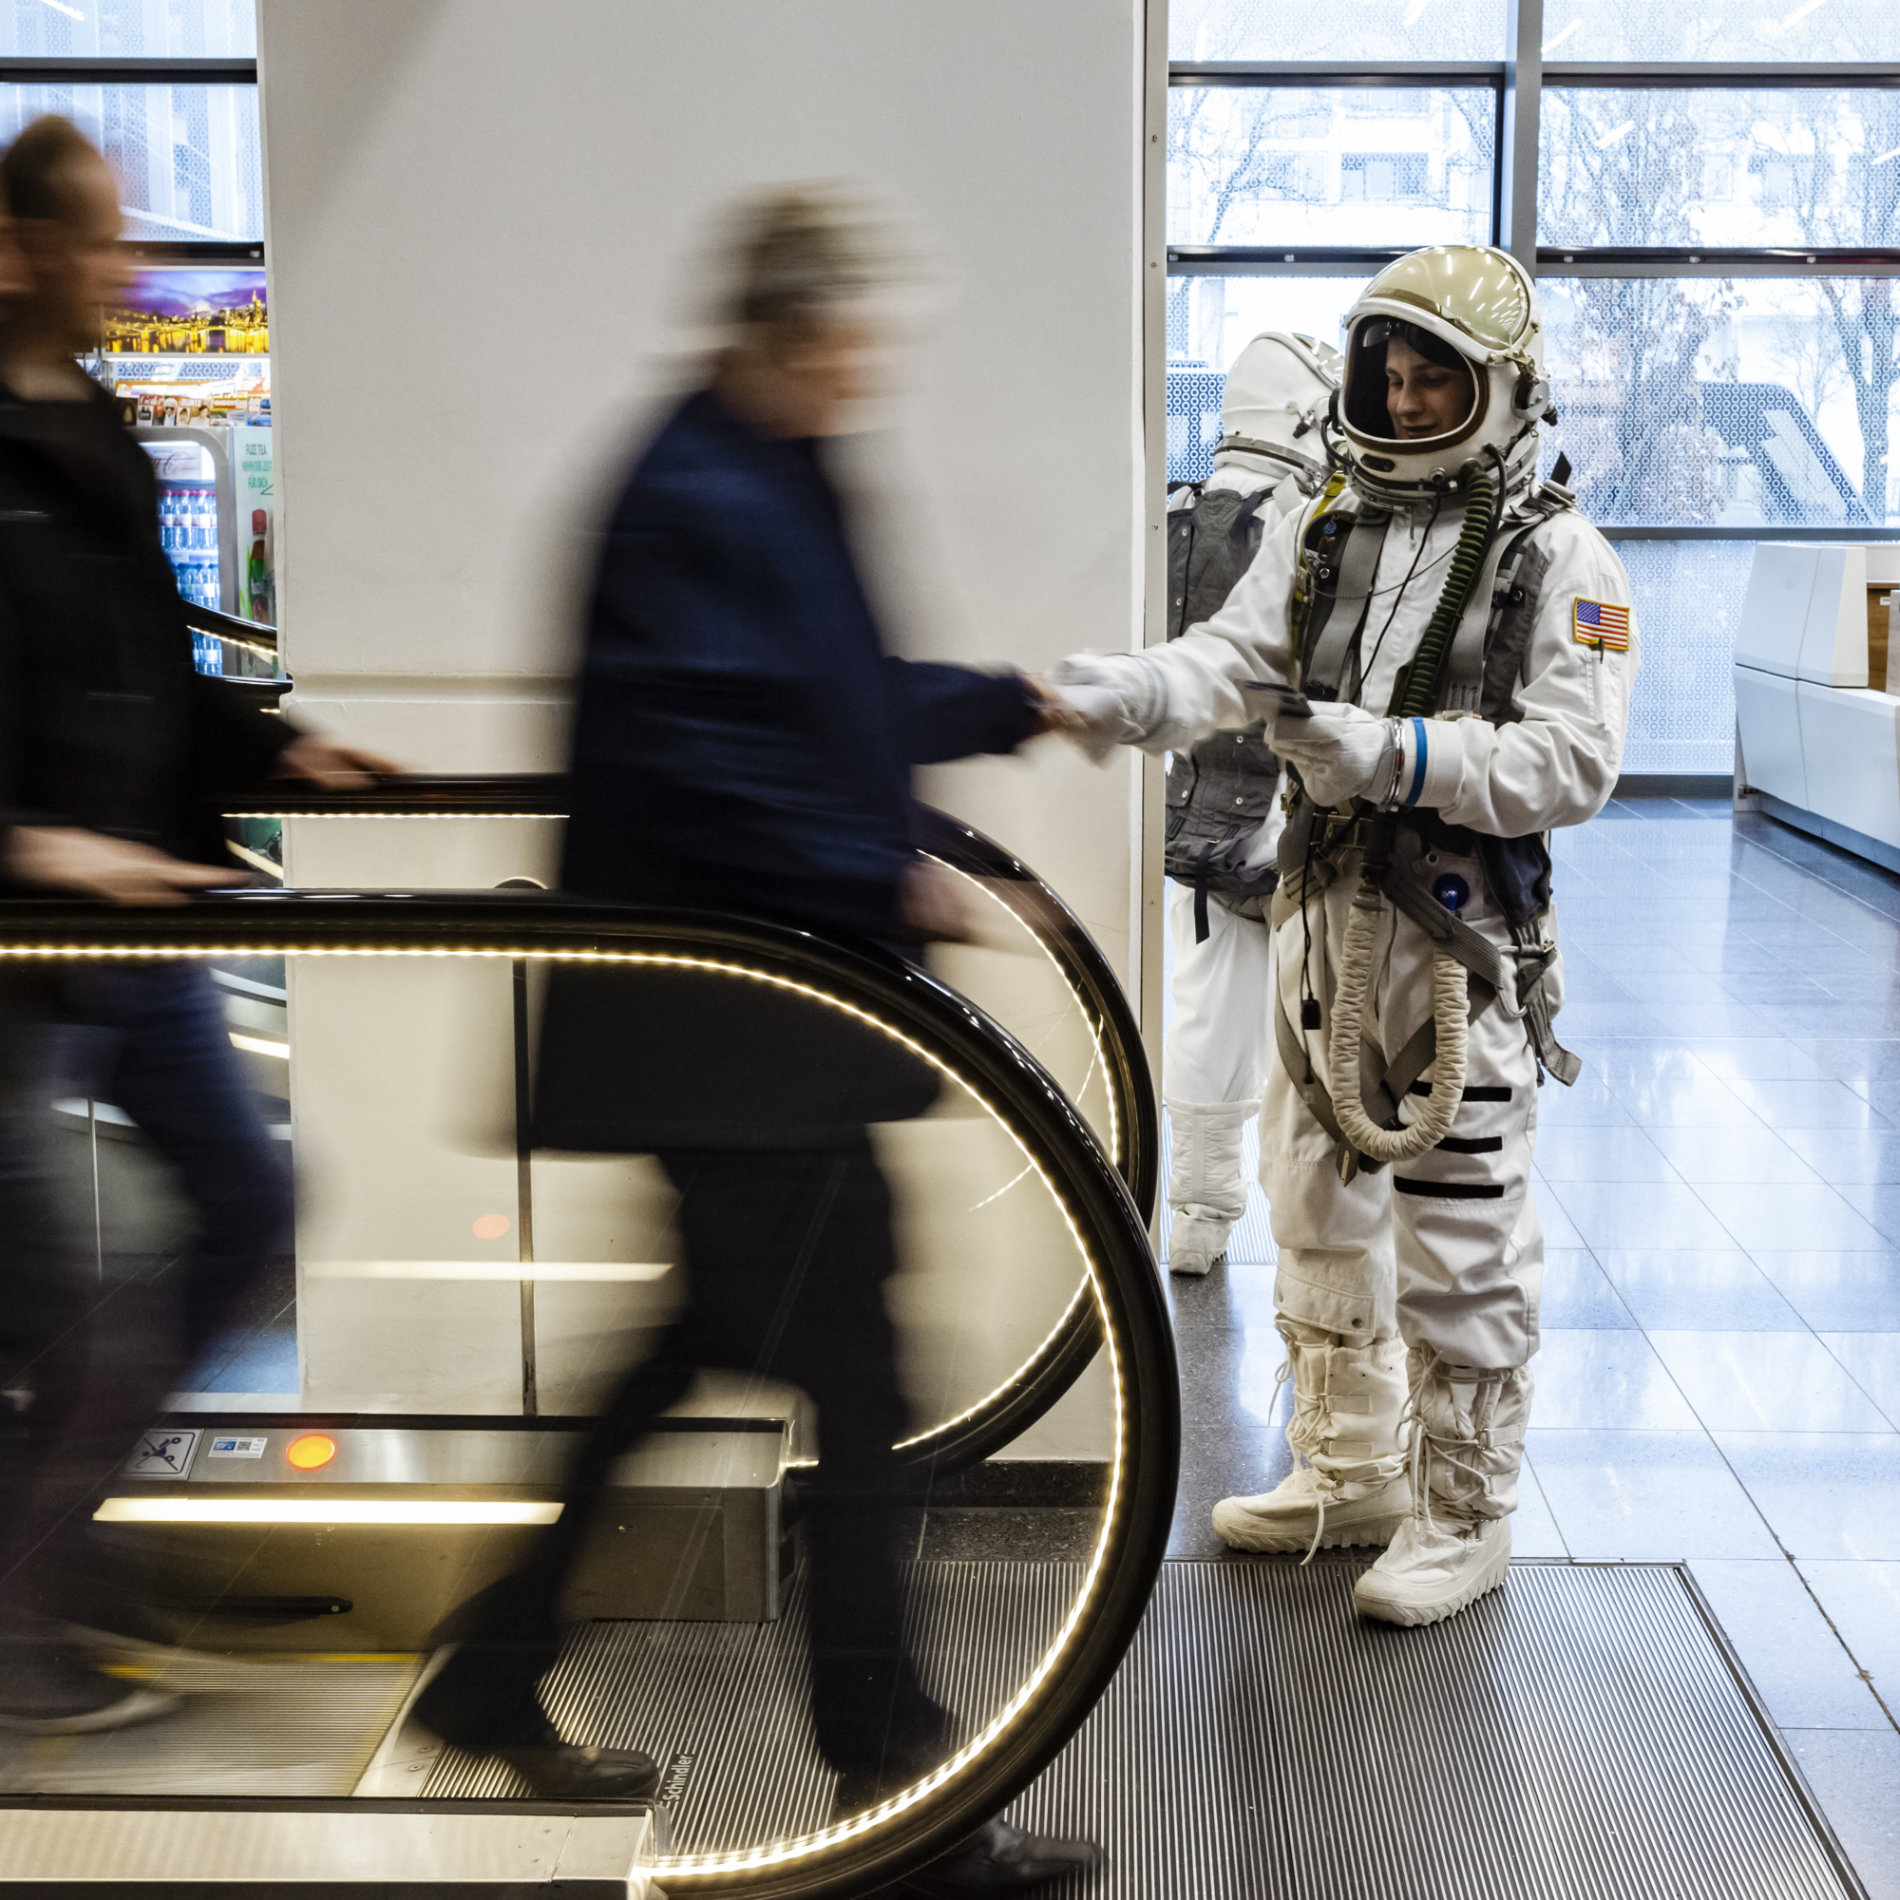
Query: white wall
(481, 216)
(482, 220)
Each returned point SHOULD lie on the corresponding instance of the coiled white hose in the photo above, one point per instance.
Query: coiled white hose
(1450, 1005)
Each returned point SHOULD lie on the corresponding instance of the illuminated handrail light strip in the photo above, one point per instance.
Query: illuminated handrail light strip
(393, 1511)
(694, 1867)
(260, 1045)
(611, 1270)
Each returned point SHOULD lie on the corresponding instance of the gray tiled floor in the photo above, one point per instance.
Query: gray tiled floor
(1719, 1382)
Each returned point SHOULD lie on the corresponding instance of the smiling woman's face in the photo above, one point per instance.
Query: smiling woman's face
(1423, 398)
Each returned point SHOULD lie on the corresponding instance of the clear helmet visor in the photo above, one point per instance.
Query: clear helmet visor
(1405, 385)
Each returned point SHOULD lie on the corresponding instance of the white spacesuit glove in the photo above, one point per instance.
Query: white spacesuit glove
(1342, 752)
(1104, 700)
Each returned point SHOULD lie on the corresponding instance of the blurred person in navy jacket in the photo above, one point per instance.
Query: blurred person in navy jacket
(743, 741)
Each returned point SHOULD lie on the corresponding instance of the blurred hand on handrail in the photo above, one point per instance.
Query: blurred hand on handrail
(70, 858)
(337, 768)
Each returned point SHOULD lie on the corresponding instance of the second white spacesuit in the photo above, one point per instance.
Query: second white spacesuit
(1224, 812)
(1465, 645)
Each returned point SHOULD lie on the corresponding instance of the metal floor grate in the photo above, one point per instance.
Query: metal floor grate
(726, 1706)
(1578, 1736)
(302, 1727)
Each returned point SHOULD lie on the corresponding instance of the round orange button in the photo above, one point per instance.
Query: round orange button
(311, 1452)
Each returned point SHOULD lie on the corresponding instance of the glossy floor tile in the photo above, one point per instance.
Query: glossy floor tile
(1862, 1602)
(1853, 1775)
(1578, 1294)
(1838, 1292)
(1806, 1673)
(1684, 1289)
(1606, 1380)
(1646, 1497)
(1765, 1382)
(1873, 1363)
(1824, 1494)
(1642, 1214)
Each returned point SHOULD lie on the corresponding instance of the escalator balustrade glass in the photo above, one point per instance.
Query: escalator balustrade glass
(1034, 968)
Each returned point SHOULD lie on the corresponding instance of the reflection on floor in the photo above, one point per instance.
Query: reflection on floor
(1720, 1375)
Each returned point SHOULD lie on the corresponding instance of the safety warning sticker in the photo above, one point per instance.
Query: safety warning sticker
(1601, 623)
(237, 1447)
(162, 1454)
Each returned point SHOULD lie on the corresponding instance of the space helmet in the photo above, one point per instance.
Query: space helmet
(1274, 403)
(1456, 304)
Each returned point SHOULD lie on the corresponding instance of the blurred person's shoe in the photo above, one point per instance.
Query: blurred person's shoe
(1001, 1858)
(54, 1689)
(567, 1771)
(552, 1768)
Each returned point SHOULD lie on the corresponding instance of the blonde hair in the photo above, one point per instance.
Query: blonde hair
(798, 250)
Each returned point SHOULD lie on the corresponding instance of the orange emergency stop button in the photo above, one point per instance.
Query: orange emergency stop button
(311, 1452)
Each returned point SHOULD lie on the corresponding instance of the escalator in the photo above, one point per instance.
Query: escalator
(303, 1557)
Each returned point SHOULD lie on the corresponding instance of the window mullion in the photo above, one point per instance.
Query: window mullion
(1517, 149)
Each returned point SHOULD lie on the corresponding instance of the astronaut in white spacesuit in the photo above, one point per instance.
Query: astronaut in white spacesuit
(1463, 647)
(1224, 813)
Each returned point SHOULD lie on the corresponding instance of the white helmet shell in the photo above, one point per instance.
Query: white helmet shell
(1275, 402)
(1465, 303)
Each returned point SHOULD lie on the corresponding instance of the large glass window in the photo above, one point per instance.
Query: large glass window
(1785, 31)
(1792, 166)
(1374, 29)
(1716, 402)
(128, 29)
(1293, 165)
(1716, 253)
(188, 157)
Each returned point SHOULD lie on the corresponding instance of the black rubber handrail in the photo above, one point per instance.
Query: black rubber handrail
(1125, 1288)
(1090, 974)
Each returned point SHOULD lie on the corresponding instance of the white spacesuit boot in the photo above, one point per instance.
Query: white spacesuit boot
(1467, 1445)
(1349, 1484)
(1207, 1182)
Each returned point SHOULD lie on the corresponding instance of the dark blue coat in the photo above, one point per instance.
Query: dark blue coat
(742, 738)
(742, 742)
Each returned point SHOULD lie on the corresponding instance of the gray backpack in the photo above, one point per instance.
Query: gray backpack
(1221, 789)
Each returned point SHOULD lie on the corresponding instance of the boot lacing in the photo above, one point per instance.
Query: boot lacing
(1434, 1444)
(1310, 1426)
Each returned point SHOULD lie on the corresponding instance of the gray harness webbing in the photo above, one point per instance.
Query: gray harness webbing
(1464, 669)
(1330, 637)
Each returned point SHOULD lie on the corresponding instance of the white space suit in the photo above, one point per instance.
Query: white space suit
(1220, 1039)
(1408, 1293)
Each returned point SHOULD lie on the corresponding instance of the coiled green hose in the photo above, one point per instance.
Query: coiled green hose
(1416, 697)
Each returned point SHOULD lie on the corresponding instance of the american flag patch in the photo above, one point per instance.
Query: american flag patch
(1599, 623)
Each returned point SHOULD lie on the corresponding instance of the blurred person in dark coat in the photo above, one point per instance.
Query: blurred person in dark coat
(114, 756)
(743, 742)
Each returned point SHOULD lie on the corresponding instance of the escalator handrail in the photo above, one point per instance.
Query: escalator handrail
(948, 1029)
(957, 843)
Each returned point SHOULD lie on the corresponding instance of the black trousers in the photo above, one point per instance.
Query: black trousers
(787, 1255)
(85, 1368)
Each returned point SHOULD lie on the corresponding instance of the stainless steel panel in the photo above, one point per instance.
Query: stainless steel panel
(380, 1455)
(690, 1529)
(355, 1852)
